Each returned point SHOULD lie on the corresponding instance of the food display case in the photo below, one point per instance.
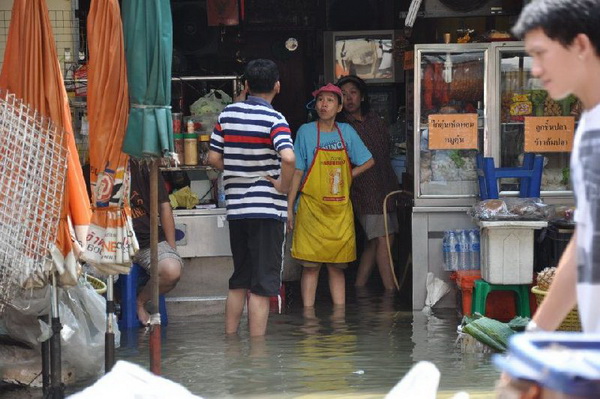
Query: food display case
(471, 98)
(450, 82)
(450, 87)
(517, 99)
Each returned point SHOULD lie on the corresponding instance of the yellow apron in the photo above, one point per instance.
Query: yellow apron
(324, 226)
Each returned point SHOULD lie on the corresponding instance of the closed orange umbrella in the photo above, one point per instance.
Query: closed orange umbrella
(111, 241)
(31, 71)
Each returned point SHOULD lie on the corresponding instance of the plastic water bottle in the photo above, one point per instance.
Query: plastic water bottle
(453, 251)
(221, 192)
(463, 255)
(474, 243)
(446, 250)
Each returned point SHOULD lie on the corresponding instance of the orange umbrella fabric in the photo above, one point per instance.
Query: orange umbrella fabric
(111, 242)
(31, 71)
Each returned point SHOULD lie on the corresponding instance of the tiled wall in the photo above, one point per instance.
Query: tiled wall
(64, 27)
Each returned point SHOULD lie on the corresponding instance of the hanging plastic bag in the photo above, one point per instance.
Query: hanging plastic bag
(83, 315)
(436, 289)
(21, 317)
(212, 103)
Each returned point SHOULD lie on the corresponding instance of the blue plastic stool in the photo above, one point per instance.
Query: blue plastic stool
(529, 175)
(128, 285)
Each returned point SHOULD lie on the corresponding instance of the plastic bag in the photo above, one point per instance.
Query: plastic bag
(211, 103)
(511, 209)
(21, 317)
(128, 380)
(562, 214)
(436, 289)
(421, 382)
(83, 315)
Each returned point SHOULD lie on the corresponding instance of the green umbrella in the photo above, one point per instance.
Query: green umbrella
(148, 34)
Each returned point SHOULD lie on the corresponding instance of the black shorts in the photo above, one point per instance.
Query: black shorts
(257, 248)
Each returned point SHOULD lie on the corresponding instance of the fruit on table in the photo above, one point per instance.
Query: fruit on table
(552, 108)
(545, 277)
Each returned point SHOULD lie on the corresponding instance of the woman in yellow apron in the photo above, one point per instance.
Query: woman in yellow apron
(324, 223)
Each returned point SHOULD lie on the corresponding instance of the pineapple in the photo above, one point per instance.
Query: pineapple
(545, 277)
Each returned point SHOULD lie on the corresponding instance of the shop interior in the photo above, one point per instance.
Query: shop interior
(442, 57)
(303, 38)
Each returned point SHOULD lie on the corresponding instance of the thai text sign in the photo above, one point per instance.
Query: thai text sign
(549, 133)
(453, 132)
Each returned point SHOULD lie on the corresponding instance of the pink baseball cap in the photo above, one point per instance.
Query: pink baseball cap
(329, 87)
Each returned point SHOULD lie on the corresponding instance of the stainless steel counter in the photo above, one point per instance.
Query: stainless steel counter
(202, 232)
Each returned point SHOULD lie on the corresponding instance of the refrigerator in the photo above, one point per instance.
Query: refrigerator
(489, 89)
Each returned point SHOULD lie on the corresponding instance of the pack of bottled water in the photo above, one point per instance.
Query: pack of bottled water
(461, 250)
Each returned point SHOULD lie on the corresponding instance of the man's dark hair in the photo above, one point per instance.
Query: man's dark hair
(561, 20)
(261, 75)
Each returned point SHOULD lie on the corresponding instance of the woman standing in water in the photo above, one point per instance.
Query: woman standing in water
(324, 223)
(370, 189)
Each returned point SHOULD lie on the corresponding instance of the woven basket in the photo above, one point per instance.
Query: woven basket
(97, 284)
(570, 323)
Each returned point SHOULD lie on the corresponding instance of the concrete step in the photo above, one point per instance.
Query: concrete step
(195, 306)
(202, 288)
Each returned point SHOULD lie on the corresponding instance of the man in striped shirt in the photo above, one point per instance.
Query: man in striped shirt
(251, 143)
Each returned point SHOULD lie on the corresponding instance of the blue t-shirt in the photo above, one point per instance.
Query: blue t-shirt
(306, 144)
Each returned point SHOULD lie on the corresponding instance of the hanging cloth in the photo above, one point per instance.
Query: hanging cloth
(324, 227)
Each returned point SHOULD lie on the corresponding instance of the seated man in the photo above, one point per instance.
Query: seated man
(169, 261)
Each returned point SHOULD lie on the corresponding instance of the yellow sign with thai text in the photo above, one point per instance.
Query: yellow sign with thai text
(453, 132)
(549, 133)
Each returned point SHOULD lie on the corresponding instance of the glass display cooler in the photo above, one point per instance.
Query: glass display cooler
(470, 99)
(518, 98)
(450, 87)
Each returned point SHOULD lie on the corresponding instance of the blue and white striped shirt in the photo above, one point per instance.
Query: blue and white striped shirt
(250, 135)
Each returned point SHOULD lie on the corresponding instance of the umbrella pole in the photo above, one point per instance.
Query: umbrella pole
(109, 336)
(56, 386)
(45, 359)
(155, 312)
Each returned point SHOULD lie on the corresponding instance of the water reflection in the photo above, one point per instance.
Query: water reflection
(325, 351)
(361, 350)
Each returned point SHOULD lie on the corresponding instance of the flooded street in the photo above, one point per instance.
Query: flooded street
(361, 351)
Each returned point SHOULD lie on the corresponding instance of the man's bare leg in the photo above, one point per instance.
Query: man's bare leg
(258, 314)
(236, 298)
(169, 272)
